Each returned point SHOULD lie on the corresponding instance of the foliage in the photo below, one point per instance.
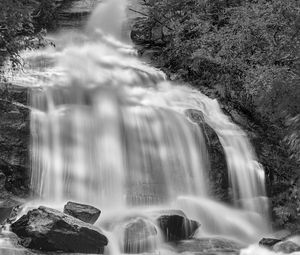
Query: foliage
(22, 24)
(249, 52)
(287, 208)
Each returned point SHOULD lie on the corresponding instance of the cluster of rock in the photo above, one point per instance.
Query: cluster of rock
(284, 245)
(47, 229)
(179, 233)
(141, 235)
(71, 231)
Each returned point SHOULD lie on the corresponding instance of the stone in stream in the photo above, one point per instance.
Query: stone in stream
(140, 236)
(46, 229)
(86, 213)
(268, 242)
(176, 226)
(208, 246)
(286, 247)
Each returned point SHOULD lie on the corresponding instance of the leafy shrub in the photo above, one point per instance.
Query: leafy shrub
(22, 24)
(248, 51)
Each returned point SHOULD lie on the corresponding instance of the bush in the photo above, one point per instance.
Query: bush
(22, 24)
(247, 51)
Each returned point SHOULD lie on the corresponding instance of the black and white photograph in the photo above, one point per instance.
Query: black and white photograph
(149, 127)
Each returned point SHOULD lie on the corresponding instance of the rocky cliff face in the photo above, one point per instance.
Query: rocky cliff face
(14, 138)
(74, 13)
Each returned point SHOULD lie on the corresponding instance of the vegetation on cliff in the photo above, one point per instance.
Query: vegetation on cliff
(22, 26)
(247, 53)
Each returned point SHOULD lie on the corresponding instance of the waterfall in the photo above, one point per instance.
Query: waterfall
(110, 130)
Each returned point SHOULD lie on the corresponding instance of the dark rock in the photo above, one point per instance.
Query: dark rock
(86, 213)
(140, 236)
(47, 229)
(218, 174)
(14, 138)
(176, 226)
(286, 247)
(268, 242)
(208, 246)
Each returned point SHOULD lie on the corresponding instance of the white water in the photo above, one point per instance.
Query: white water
(109, 130)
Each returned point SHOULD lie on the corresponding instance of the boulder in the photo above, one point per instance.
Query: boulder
(286, 247)
(46, 229)
(176, 226)
(268, 242)
(208, 246)
(140, 236)
(86, 213)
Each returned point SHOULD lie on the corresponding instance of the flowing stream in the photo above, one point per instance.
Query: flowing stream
(110, 130)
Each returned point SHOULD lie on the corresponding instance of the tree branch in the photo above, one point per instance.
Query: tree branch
(158, 21)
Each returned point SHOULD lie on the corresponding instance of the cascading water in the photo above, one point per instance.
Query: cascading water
(109, 130)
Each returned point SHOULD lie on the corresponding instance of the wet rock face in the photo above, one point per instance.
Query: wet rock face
(47, 229)
(14, 138)
(140, 236)
(176, 226)
(219, 170)
(74, 13)
(86, 213)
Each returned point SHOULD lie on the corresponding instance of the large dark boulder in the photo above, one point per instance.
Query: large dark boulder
(47, 229)
(140, 236)
(208, 246)
(86, 213)
(176, 226)
(268, 242)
